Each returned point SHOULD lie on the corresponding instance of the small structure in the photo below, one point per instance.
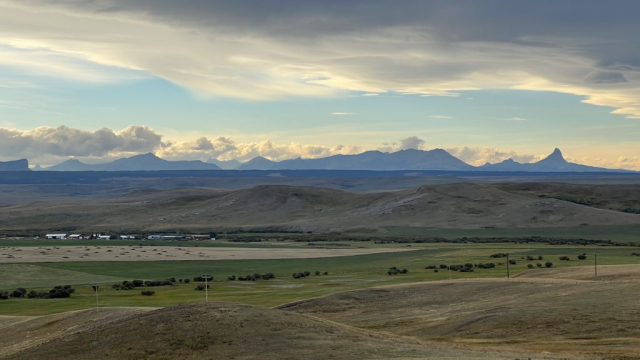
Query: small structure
(104, 237)
(56, 236)
(127, 237)
(78, 236)
(154, 237)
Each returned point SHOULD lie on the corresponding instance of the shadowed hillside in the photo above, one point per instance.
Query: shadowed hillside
(308, 209)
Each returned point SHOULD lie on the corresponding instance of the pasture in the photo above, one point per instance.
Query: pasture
(344, 273)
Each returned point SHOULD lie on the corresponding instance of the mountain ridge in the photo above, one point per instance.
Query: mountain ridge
(15, 165)
(374, 160)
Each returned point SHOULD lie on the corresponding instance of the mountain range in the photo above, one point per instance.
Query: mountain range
(411, 159)
(143, 162)
(16, 165)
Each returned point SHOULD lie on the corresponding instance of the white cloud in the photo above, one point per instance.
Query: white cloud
(479, 156)
(517, 118)
(342, 113)
(265, 50)
(440, 117)
(65, 142)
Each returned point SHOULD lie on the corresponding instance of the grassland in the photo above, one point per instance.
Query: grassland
(345, 273)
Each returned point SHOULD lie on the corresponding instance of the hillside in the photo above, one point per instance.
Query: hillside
(307, 209)
(588, 318)
(233, 331)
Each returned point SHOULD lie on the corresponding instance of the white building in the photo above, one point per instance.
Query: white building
(78, 236)
(127, 237)
(56, 236)
(104, 237)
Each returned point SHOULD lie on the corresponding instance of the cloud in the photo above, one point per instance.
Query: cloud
(264, 50)
(411, 142)
(517, 118)
(342, 113)
(370, 94)
(479, 156)
(66, 142)
(440, 117)
(49, 146)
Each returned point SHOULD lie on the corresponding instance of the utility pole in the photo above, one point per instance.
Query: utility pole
(206, 288)
(508, 272)
(449, 267)
(595, 263)
(95, 288)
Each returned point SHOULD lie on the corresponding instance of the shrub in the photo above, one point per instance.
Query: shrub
(539, 265)
(548, 264)
(180, 280)
(38, 294)
(530, 266)
(4, 295)
(435, 270)
(530, 258)
(115, 286)
(138, 283)
(147, 292)
(268, 276)
(512, 262)
(498, 255)
(18, 293)
(325, 273)
(186, 281)
(201, 287)
(59, 293)
(95, 287)
(540, 257)
(582, 257)
(564, 258)
(443, 266)
(202, 278)
(317, 272)
(231, 278)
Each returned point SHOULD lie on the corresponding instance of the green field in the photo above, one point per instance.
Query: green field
(345, 273)
(628, 233)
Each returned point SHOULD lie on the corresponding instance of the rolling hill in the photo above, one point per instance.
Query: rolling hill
(228, 331)
(468, 206)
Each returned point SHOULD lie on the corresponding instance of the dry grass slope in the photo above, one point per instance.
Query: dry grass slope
(577, 318)
(304, 208)
(231, 331)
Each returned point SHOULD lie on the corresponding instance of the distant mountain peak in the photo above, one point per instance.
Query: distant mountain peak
(555, 157)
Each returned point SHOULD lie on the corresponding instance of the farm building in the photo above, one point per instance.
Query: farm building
(56, 236)
(78, 236)
(127, 237)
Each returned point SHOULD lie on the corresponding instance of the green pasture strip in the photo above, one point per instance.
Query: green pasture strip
(624, 233)
(345, 273)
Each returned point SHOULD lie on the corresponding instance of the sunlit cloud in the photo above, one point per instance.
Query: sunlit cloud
(440, 116)
(230, 49)
(342, 113)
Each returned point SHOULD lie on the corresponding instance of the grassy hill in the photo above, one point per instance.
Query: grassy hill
(230, 331)
(471, 206)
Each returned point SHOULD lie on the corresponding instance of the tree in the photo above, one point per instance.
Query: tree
(548, 264)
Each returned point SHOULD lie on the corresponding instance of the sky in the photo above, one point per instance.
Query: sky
(198, 79)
